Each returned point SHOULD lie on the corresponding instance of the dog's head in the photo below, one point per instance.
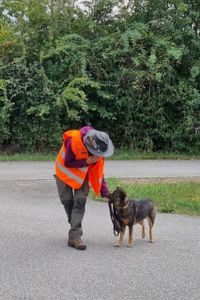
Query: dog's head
(118, 198)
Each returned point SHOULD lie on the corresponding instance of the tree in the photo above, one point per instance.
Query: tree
(128, 67)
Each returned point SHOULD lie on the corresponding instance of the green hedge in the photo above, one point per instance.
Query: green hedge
(131, 71)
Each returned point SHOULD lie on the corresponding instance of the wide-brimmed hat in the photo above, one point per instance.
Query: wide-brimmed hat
(98, 143)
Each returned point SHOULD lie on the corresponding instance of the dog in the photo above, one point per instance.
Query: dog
(130, 212)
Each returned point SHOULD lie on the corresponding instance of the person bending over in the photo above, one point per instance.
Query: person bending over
(79, 166)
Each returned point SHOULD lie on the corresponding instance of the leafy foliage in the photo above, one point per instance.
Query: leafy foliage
(5, 108)
(130, 68)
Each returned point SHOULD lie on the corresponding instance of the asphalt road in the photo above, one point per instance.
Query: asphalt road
(36, 263)
(119, 169)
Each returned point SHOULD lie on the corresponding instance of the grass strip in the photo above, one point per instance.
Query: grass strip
(177, 197)
(118, 155)
(28, 157)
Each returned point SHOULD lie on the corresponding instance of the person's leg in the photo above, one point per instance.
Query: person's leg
(78, 211)
(66, 197)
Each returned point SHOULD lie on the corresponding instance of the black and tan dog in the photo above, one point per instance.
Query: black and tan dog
(130, 212)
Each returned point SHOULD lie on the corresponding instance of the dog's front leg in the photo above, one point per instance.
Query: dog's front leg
(130, 237)
(121, 237)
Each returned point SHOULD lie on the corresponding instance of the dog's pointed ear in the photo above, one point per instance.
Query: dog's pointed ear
(122, 196)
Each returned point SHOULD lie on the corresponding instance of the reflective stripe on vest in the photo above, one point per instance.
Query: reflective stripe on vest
(67, 172)
(67, 175)
(84, 169)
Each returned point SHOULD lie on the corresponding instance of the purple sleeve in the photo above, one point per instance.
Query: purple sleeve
(70, 159)
(104, 189)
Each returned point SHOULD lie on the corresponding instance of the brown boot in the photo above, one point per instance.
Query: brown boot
(78, 244)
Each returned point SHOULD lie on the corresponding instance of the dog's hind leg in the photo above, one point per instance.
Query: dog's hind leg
(143, 228)
(151, 220)
(150, 230)
(121, 237)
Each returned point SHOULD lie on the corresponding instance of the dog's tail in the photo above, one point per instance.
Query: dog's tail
(116, 224)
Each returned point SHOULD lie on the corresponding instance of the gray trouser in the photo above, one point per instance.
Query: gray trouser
(74, 203)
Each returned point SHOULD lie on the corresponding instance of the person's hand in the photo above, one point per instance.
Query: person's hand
(109, 197)
(92, 160)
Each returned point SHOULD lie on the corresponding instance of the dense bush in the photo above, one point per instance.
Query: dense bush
(130, 68)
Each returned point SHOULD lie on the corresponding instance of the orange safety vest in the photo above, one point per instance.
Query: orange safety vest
(75, 177)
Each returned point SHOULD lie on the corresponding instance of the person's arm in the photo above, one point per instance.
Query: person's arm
(104, 189)
(70, 160)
